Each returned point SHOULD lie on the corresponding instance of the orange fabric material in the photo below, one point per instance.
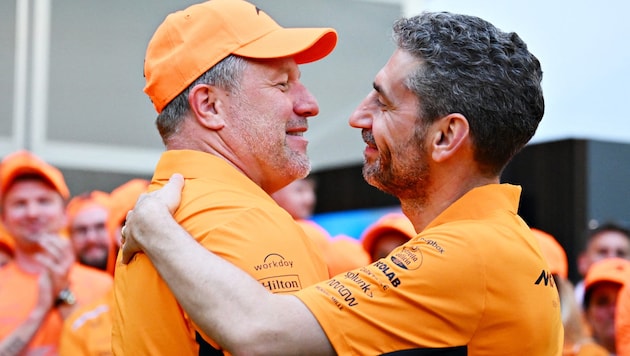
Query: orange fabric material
(318, 234)
(554, 253)
(232, 216)
(392, 221)
(124, 198)
(474, 277)
(344, 254)
(586, 349)
(121, 200)
(88, 331)
(341, 253)
(17, 301)
(193, 40)
(622, 320)
(22, 162)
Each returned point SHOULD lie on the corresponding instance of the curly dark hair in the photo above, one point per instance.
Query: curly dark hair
(472, 68)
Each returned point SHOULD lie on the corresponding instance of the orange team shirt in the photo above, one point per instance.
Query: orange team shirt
(622, 321)
(88, 331)
(474, 282)
(19, 294)
(232, 216)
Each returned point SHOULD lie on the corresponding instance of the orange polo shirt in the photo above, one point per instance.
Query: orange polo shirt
(88, 331)
(474, 281)
(232, 216)
(18, 297)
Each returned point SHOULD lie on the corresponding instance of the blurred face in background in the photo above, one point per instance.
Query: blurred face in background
(32, 208)
(605, 244)
(600, 313)
(388, 241)
(90, 236)
(298, 198)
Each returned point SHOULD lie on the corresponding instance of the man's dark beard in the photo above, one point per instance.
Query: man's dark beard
(101, 264)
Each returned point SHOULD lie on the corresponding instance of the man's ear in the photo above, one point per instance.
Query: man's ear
(449, 134)
(206, 103)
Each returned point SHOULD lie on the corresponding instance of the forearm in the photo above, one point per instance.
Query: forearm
(15, 342)
(209, 288)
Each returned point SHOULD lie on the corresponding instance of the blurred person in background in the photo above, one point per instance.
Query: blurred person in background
(605, 241)
(88, 214)
(602, 284)
(385, 234)
(42, 285)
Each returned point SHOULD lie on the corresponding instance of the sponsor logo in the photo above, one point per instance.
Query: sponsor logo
(408, 258)
(368, 272)
(344, 292)
(434, 244)
(282, 284)
(272, 261)
(365, 286)
(391, 275)
(546, 278)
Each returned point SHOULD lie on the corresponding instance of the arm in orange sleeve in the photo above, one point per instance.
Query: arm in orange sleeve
(19, 338)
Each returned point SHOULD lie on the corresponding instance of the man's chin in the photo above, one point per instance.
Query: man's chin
(96, 262)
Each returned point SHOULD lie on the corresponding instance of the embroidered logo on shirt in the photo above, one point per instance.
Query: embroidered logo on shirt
(408, 258)
(282, 284)
(546, 278)
(273, 260)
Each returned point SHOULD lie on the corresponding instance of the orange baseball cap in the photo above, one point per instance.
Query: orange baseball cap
(614, 269)
(392, 221)
(191, 41)
(85, 201)
(553, 252)
(25, 162)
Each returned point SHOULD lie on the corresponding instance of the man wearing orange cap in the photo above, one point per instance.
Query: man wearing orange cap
(456, 100)
(602, 284)
(88, 331)
(224, 79)
(385, 234)
(87, 224)
(42, 284)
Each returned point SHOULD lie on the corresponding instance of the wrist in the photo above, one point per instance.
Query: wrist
(65, 297)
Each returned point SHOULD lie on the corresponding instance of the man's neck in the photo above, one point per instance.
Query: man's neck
(422, 213)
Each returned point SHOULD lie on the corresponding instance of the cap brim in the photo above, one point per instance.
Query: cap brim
(305, 45)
